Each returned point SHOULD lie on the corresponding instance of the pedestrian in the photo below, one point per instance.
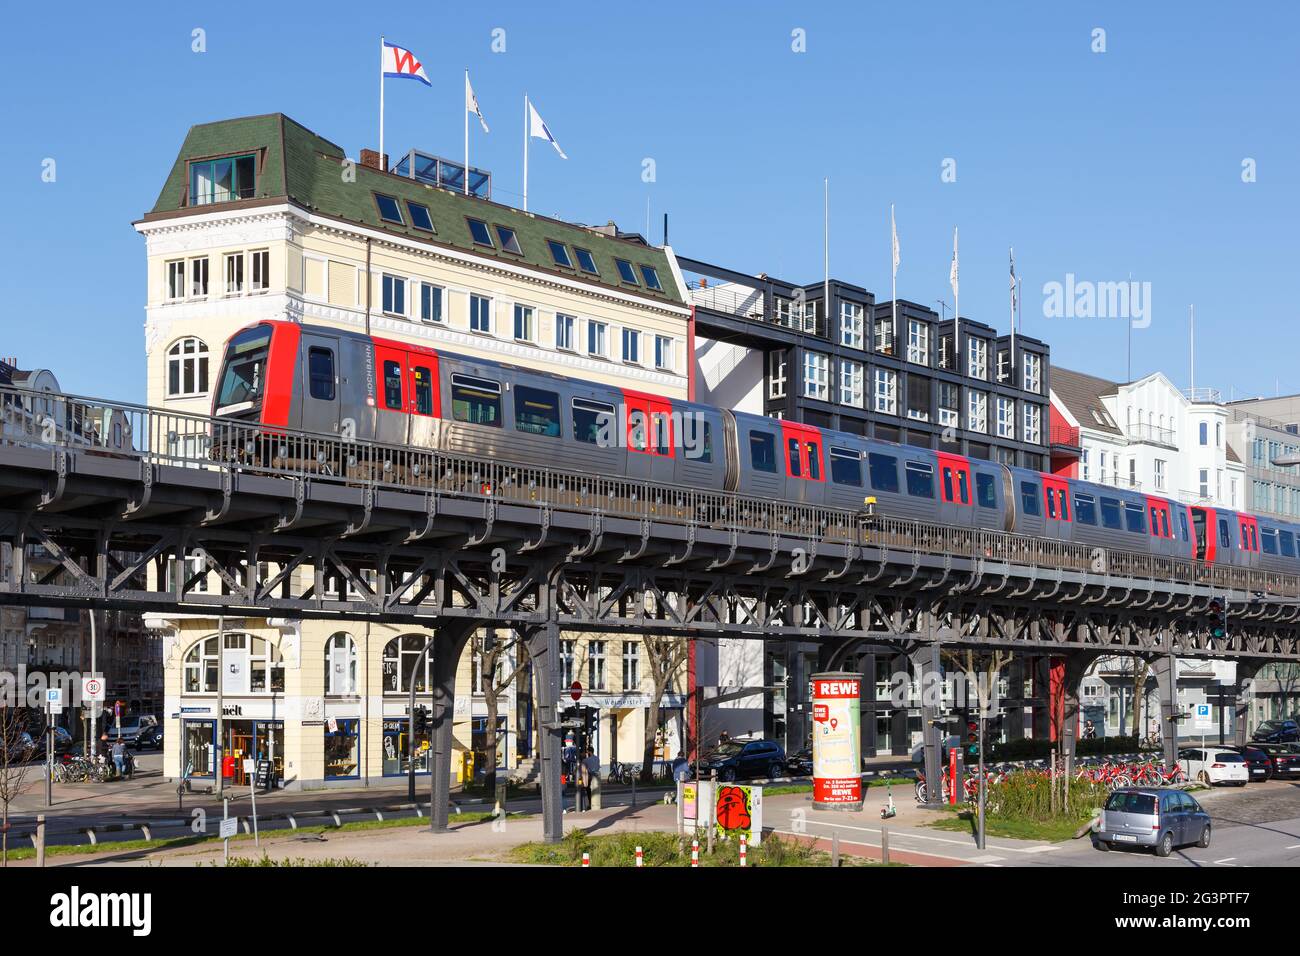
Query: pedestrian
(590, 772)
(119, 757)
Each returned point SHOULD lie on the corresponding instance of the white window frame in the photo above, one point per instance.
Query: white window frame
(851, 319)
(977, 411)
(1031, 372)
(631, 665)
(816, 375)
(236, 259)
(176, 273)
(1032, 423)
(1006, 417)
(397, 281)
(1158, 470)
(201, 359)
(884, 391)
(977, 358)
(852, 390)
(918, 342)
(665, 349)
(566, 332)
(441, 295)
(528, 315)
(597, 338)
(776, 373)
(631, 337)
(479, 316)
(259, 269)
(195, 266)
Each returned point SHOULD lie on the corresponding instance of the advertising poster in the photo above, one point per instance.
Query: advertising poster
(837, 761)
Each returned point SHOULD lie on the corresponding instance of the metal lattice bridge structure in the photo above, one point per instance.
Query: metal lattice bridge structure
(138, 508)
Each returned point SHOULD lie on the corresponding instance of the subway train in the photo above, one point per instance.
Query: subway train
(329, 381)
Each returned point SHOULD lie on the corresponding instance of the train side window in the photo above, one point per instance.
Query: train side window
(884, 472)
(590, 420)
(1051, 504)
(1029, 498)
(762, 451)
(985, 491)
(476, 400)
(1135, 519)
(537, 412)
(814, 460)
(793, 456)
(963, 486)
(1064, 504)
(701, 449)
(920, 479)
(1111, 517)
(1085, 509)
(320, 373)
(1182, 522)
(846, 467)
(393, 385)
(1286, 544)
(423, 390)
(663, 444)
(1268, 538)
(636, 430)
(947, 483)
(1225, 536)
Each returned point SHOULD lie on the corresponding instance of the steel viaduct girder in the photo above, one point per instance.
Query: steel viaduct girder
(108, 528)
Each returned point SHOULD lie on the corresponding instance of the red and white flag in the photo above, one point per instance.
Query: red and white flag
(400, 62)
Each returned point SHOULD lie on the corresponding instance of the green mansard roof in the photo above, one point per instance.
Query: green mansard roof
(296, 164)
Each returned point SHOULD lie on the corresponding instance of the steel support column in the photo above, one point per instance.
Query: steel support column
(1246, 673)
(928, 671)
(448, 646)
(1165, 668)
(1076, 666)
(544, 649)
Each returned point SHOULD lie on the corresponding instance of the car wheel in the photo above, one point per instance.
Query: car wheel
(773, 770)
(1101, 845)
(1166, 845)
(726, 775)
(1204, 841)
(1204, 777)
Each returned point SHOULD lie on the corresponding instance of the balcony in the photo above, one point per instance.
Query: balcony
(1119, 481)
(1152, 435)
(1204, 394)
(727, 297)
(1065, 435)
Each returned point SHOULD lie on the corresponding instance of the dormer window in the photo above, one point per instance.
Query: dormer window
(651, 278)
(559, 254)
(586, 261)
(389, 210)
(625, 271)
(478, 231)
(222, 180)
(420, 217)
(509, 240)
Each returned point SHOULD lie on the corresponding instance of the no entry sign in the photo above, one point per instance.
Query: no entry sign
(575, 691)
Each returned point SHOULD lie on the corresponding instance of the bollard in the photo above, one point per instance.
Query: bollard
(595, 800)
(640, 857)
(884, 844)
(835, 848)
(634, 779)
(40, 839)
(586, 860)
(744, 848)
(695, 853)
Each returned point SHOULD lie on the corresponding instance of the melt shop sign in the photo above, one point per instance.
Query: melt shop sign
(837, 770)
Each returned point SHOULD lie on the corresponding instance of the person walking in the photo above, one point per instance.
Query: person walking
(119, 757)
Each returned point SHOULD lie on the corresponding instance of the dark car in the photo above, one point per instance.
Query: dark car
(739, 759)
(800, 764)
(1258, 762)
(151, 738)
(1277, 732)
(63, 743)
(22, 748)
(1157, 817)
(1285, 758)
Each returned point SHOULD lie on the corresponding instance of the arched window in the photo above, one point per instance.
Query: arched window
(340, 664)
(187, 368)
(253, 666)
(402, 658)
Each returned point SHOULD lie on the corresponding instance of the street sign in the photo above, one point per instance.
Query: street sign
(575, 691)
(54, 696)
(92, 689)
(229, 828)
(1201, 718)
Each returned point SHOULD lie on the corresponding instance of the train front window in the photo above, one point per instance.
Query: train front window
(592, 422)
(537, 412)
(476, 401)
(245, 367)
(393, 385)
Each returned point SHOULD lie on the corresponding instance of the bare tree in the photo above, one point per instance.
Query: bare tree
(496, 675)
(981, 670)
(1141, 670)
(15, 750)
(664, 658)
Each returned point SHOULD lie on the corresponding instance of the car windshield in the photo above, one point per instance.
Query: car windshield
(1121, 802)
(728, 750)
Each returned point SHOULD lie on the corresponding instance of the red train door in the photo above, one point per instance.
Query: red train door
(391, 394)
(1056, 507)
(1249, 527)
(801, 450)
(1158, 515)
(650, 433)
(1204, 533)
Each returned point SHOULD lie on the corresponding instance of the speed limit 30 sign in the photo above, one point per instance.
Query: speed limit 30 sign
(92, 689)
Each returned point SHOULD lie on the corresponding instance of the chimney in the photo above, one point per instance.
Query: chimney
(370, 157)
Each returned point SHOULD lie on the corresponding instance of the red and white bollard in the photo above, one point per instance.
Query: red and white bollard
(640, 857)
(744, 847)
(695, 853)
(586, 860)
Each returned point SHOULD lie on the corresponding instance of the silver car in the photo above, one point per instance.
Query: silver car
(1159, 817)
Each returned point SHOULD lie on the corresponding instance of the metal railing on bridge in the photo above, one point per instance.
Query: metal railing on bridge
(165, 437)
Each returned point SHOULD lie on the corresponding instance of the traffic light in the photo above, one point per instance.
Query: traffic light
(972, 746)
(421, 721)
(1217, 619)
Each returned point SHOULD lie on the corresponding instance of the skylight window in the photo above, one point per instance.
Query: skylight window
(478, 231)
(420, 217)
(625, 271)
(509, 241)
(560, 253)
(651, 278)
(389, 209)
(586, 261)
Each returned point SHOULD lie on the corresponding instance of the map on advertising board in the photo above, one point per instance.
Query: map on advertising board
(837, 770)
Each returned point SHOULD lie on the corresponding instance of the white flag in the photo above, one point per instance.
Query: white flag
(539, 129)
(894, 234)
(1012, 253)
(471, 103)
(952, 274)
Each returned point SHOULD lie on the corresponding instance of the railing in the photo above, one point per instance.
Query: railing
(1064, 435)
(727, 298)
(1139, 431)
(1119, 481)
(193, 441)
(1204, 394)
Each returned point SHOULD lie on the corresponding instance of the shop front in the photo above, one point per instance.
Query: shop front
(613, 725)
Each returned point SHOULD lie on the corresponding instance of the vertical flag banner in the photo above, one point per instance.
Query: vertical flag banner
(534, 127)
(893, 288)
(471, 106)
(399, 62)
(956, 307)
(1012, 371)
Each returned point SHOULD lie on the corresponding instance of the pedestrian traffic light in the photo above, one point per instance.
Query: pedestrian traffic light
(1217, 619)
(972, 739)
(421, 716)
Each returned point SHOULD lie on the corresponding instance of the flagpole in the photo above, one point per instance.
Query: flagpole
(1011, 252)
(826, 256)
(467, 131)
(525, 152)
(893, 268)
(958, 364)
(381, 101)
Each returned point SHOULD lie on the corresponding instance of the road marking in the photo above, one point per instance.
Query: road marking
(1294, 846)
(1225, 861)
(910, 835)
(984, 859)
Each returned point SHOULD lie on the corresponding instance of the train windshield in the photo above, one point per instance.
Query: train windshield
(243, 371)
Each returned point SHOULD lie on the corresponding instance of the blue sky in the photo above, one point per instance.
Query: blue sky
(1104, 165)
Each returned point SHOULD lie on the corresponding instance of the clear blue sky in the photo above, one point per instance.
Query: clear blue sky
(1101, 165)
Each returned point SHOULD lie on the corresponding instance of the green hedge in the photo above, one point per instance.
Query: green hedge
(1036, 749)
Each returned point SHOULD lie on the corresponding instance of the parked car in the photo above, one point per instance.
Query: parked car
(739, 759)
(1214, 765)
(63, 744)
(22, 748)
(131, 728)
(1157, 817)
(1285, 758)
(1277, 732)
(1258, 762)
(800, 764)
(151, 738)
